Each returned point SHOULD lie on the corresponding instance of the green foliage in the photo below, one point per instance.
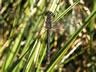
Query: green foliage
(23, 44)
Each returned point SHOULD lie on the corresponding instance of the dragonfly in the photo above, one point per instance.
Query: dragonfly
(49, 27)
(49, 15)
(49, 24)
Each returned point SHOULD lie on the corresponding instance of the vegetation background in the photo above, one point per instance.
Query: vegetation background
(23, 36)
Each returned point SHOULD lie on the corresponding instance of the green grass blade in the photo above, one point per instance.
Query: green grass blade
(65, 12)
(14, 50)
(33, 56)
(20, 59)
(91, 25)
(43, 51)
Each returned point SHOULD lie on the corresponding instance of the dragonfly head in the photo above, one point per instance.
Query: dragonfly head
(49, 13)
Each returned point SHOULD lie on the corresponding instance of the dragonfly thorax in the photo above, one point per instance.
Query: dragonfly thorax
(49, 19)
